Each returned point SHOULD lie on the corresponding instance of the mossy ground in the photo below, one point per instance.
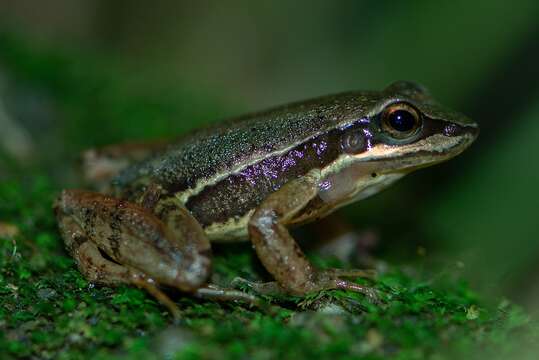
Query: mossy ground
(48, 310)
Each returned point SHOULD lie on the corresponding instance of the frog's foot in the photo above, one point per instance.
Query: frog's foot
(149, 285)
(262, 288)
(332, 279)
(325, 280)
(215, 292)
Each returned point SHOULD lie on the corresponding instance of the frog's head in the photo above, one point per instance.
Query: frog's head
(410, 129)
(403, 130)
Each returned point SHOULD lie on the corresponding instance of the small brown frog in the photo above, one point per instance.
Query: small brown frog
(251, 178)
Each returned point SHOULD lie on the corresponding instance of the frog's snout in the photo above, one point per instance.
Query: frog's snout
(474, 131)
(469, 134)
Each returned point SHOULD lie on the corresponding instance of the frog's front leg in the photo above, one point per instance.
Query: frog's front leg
(279, 252)
(144, 249)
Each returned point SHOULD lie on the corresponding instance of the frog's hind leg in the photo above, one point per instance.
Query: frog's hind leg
(217, 293)
(143, 249)
(177, 218)
(99, 270)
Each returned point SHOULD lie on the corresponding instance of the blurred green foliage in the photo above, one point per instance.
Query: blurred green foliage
(95, 107)
(499, 229)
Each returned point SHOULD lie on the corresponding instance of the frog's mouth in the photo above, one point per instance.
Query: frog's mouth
(439, 148)
(367, 174)
(423, 153)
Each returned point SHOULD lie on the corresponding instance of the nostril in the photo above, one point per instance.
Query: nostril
(458, 130)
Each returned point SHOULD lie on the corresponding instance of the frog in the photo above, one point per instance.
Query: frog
(157, 207)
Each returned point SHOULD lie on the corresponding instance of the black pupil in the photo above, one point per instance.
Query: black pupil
(402, 120)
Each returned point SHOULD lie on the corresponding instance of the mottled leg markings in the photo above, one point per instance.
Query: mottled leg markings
(145, 250)
(99, 270)
(281, 255)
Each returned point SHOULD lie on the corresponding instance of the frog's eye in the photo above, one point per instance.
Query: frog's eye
(353, 142)
(400, 120)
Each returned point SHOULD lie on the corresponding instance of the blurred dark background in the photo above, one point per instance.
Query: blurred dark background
(76, 74)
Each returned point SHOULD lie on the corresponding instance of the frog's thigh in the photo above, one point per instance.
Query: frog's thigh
(135, 238)
(99, 270)
(88, 258)
(188, 232)
(277, 250)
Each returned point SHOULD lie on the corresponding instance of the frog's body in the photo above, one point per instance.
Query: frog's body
(254, 176)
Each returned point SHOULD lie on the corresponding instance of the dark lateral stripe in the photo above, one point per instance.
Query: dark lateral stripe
(235, 195)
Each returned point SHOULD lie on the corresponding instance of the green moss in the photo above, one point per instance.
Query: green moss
(48, 308)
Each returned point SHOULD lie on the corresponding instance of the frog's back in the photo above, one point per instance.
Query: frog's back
(234, 144)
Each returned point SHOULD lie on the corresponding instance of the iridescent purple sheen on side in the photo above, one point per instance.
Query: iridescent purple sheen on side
(240, 192)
